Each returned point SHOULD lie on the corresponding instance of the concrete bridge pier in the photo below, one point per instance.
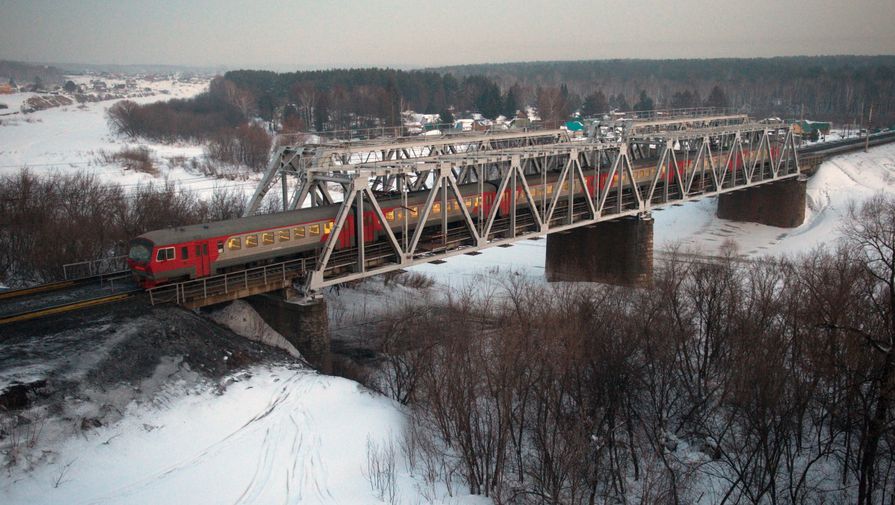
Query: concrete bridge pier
(305, 325)
(616, 252)
(780, 204)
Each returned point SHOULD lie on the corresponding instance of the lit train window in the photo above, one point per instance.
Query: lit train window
(390, 215)
(468, 202)
(314, 230)
(284, 235)
(234, 243)
(220, 247)
(267, 238)
(300, 232)
(436, 208)
(328, 226)
(549, 189)
(251, 240)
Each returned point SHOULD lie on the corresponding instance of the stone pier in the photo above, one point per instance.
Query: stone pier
(305, 325)
(612, 252)
(780, 204)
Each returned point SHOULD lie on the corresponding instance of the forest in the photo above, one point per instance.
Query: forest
(724, 382)
(836, 88)
(841, 89)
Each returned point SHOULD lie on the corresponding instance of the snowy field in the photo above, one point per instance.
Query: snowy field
(72, 138)
(282, 434)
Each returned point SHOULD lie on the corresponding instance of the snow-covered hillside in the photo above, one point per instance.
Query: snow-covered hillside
(275, 435)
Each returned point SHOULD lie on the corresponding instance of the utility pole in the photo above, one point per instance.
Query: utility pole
(869, 122)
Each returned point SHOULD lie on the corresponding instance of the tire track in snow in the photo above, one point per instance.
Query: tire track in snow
(246, 429)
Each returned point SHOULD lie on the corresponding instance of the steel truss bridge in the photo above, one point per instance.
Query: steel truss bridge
(356, 176)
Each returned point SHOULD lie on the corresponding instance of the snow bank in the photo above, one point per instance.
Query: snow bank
(242, 319)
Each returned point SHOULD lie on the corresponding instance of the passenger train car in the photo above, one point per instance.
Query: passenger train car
(201, 250)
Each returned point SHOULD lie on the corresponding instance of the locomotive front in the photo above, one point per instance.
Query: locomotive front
(138, 259)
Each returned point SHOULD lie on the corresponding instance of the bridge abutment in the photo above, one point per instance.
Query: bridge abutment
(612, 252)
(780, 204)
(305, 325)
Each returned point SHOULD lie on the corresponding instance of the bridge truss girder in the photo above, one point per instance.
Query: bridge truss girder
(716, 154)
(292, 162)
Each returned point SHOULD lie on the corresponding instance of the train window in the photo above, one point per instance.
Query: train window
(267, 238)
(436, 208)
(398, 214)
(550, 189)
(328, 226)
(468, 202)
(299, 232)
(234, 243)
(284, 235)
(184, 252)
(413, 211)
(390, 215)
(314, 230)
(220, 247)
(251, 240)
(165, 254)
(205, 249)
(198, 250)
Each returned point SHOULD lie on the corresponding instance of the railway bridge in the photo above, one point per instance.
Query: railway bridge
(591, 196)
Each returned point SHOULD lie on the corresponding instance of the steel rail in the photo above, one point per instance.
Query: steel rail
(58, 285)
(68, 307)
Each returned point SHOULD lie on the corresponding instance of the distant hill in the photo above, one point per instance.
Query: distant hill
(27, 73)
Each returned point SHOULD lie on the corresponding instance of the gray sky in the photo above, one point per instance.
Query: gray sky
(297, 33)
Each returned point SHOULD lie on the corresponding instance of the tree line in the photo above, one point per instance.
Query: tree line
(838, 88)
(768, 382)
(49, 221)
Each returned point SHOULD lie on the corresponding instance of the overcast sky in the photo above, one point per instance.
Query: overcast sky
(329, 33)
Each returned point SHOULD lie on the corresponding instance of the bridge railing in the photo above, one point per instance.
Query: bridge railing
(82, 269)
(230, 283)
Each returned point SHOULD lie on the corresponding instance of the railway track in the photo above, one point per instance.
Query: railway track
(65, 296)
(68, 307)
(59, 285)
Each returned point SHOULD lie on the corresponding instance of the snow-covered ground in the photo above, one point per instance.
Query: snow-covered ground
(275, 435)
(71, 138)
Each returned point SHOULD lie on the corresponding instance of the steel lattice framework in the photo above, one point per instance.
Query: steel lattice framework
(293, 162)
(721, 154)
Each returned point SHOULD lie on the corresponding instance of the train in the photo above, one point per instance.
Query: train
(203, 250)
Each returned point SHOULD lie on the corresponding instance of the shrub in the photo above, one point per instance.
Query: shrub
(137, 159)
